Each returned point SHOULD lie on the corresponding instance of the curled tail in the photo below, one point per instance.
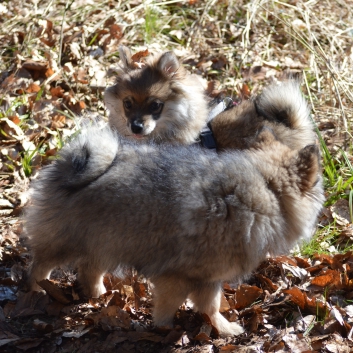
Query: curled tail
(284, 104)
(88, 156)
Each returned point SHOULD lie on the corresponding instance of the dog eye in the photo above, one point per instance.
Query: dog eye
(127, 104)
(156, 107)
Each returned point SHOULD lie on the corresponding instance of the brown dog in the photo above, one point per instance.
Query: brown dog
(158, 101)
(281, 108)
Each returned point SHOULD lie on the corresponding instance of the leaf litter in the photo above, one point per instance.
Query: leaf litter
(57, 59)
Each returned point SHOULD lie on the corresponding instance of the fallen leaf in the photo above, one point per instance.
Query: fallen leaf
(76, 333)
(57, 91)
(35, 65)
(228, 348)
(296, 271)
(136, 58)
(115, 299)
(328, 278)
(267, 283)
(224, 304)
(33, 88)
(116, 31)
(58, 122)
(297, 296)
(111, 316)
(42, 326)
(27, 343)
(340, 212)
(246, 295)
(303, 323)
(54, 291)
(11, 129)
(245, 91)
(219, 62)
(134, 336)
(31, 303)
(303, 263)
(337, 315)
(202, 337)
(296, 343)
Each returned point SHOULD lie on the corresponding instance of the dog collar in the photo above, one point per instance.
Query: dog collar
(207, 139)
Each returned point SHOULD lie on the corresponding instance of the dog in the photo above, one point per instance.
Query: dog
(280, 107)
(157, 101)
(185, 217)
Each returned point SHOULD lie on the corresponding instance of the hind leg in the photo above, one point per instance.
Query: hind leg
(169, 293)
(207, 299)
(40, 269)
(90, 277)
(38, 273)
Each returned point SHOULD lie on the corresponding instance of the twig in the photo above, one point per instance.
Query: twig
(67, 7)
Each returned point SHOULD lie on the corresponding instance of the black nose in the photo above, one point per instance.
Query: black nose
(136, 127)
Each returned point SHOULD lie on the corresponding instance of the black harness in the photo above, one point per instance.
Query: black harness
(207, 139)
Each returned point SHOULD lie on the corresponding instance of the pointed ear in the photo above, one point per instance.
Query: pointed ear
(168, 64)
(125, 56)
(308, 165)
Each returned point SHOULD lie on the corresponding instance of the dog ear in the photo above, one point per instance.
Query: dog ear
(125, 56)
(308, 165)
(168, 64)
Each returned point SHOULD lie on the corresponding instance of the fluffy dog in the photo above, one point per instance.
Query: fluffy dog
(183, 216)
(159, 101)
(281, 108)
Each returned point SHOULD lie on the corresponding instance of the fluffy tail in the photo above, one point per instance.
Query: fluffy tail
(85, 158)
(285, 104)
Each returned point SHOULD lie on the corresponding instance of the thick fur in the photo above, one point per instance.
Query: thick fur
(186, 218)
(160, 101)
(280, 107)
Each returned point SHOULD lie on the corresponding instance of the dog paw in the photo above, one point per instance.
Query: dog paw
(226, 328)
(233, 329)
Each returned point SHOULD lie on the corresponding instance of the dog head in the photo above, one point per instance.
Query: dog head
(156, 100)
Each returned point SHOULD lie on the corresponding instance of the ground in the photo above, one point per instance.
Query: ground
(56, 60)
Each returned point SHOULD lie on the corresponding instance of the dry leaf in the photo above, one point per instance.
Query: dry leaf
(228, 348)
(202, 337)
(246, 295)
(54, 291)
(116, 31)
(110, 317)
(42, 326)
(137, 58)
(340, 212)
(35, 65)
(328, 278)
(245, 92)
(33, 88)
(296, 344)
(297, 296)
